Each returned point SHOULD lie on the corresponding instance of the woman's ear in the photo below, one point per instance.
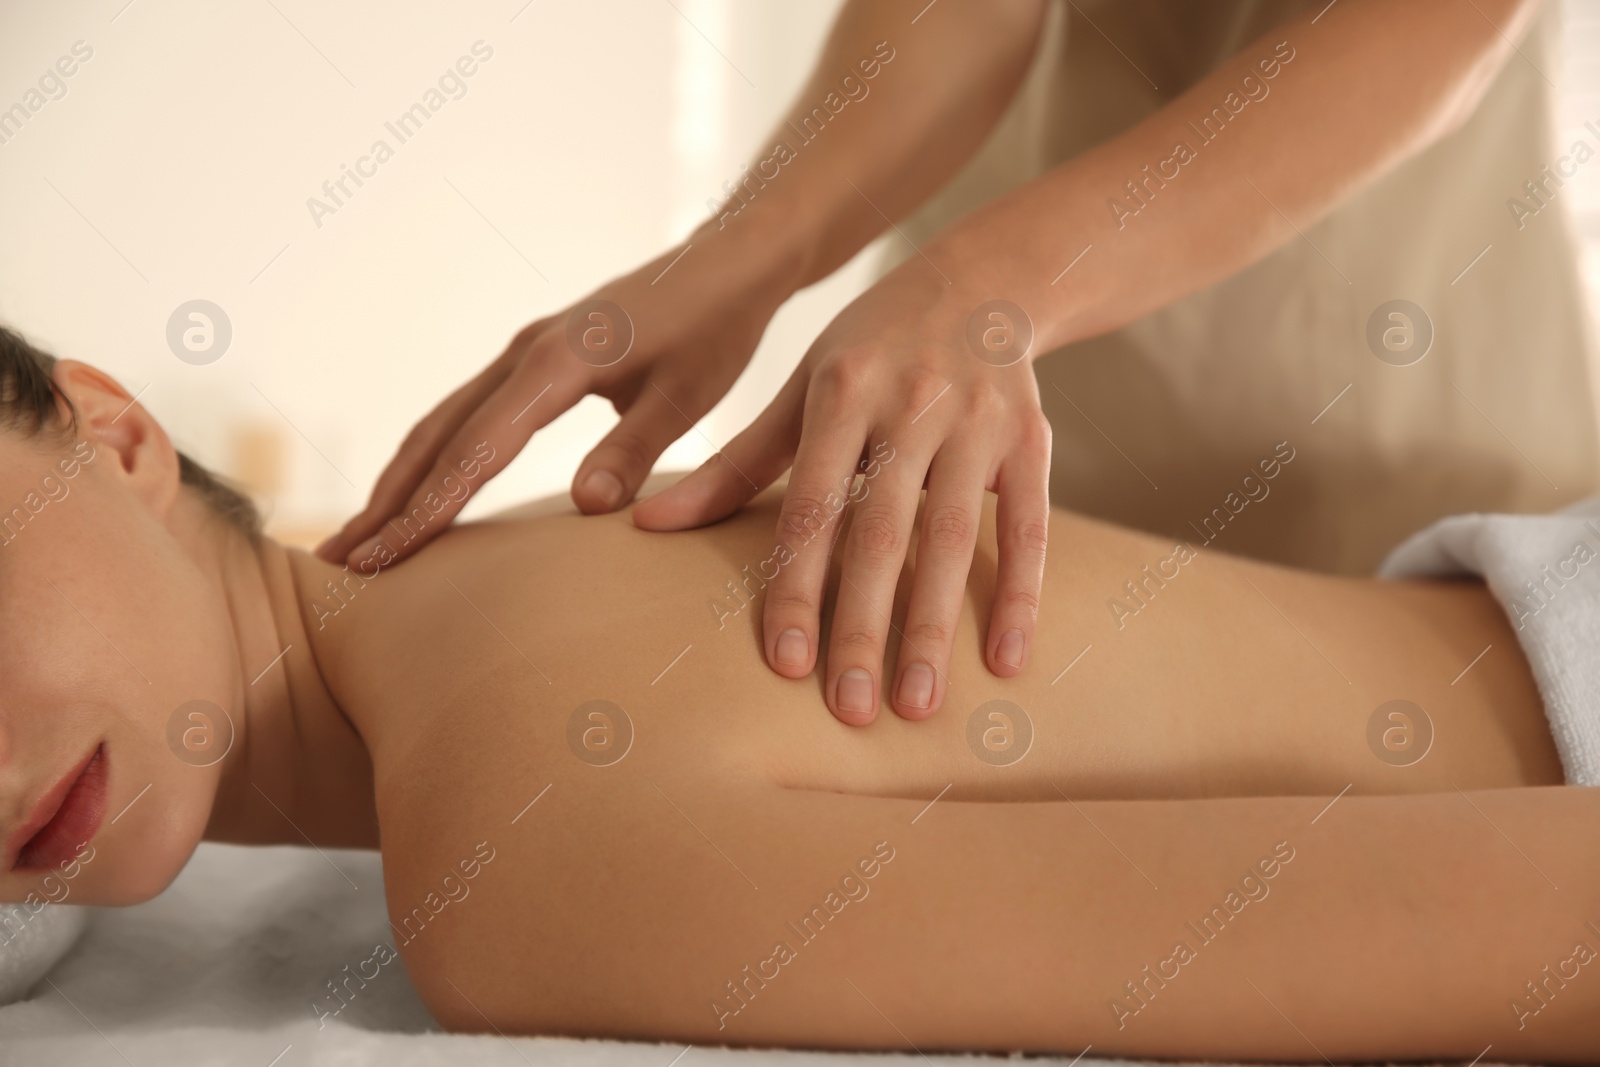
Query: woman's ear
(120, 429)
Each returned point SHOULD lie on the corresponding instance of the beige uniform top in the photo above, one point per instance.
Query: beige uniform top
(1168, 415)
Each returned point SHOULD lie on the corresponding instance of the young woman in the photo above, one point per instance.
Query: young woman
(601, 814)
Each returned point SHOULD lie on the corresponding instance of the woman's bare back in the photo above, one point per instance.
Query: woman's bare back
(602, 813)
(1225, 677)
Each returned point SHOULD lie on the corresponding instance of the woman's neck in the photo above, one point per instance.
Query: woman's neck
(298, 771)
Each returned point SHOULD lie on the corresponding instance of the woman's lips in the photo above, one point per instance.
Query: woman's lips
(79, 803)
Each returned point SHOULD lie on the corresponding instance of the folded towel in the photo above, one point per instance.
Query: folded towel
(1545, 571)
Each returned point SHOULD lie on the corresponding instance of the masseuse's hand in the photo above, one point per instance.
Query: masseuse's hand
(891, 390)
(663, 344)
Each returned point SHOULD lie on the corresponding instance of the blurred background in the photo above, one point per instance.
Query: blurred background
(177, 162)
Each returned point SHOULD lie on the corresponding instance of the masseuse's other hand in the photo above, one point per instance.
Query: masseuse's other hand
(663, 344)
(891, 390)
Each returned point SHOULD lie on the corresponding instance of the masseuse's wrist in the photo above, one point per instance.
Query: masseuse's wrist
(984, 268)
(775, 249)
(809, 224)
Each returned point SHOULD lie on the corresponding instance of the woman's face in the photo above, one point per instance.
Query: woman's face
(108, 627)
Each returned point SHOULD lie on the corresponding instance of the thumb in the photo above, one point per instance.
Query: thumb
(612, 472)
(724, 483)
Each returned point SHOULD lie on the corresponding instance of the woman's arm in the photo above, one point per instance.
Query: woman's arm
(1311, 113)
(895, 104)
(902, 95)
(927, 361)
(1263, 147)
(1361, 928)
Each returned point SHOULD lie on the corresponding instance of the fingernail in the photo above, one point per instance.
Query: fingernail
(793, 650)
(916, 686)
(1009, 650)
(855, 691)
(604, 486)
(365, 551)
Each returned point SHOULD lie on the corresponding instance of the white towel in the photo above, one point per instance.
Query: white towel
(1545, 571)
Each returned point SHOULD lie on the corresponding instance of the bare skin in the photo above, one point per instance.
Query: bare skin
(1207, 691)
(1207, 739)
(1351, 97)
(629, 895)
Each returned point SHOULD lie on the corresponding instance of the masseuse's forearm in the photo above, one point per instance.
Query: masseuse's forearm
(914, 100)
(1173, 204)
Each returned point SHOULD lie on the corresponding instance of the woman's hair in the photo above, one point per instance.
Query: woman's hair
(28, 406)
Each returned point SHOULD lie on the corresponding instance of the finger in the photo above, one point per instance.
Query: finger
(883, 513)
(421, 447)
(411, 462)
(950, 519)
(614, 469)
(808, 523)
(1022, 528)
(489, 438)
(728, 480)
